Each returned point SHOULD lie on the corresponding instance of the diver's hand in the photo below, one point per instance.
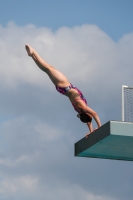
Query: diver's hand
(87, 134)
(90, 132)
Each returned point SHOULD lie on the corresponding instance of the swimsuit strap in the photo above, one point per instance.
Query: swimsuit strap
(77, 100)
(67, 88)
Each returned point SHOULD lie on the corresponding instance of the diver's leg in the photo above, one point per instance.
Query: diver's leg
(56, 76)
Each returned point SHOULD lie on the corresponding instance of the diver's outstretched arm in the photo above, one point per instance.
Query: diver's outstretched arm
(87, 109)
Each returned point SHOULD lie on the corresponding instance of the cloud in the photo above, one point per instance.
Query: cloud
(85, 54)
(28, 187)
(38, 126)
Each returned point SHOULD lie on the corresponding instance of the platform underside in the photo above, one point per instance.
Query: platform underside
(113, 140)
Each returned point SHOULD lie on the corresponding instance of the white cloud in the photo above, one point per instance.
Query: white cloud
(28, 187)
(20, 185)
(38, 129)
(85, 54)
(88, 57)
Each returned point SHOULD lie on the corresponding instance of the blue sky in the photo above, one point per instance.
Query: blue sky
(114, 17)
(91, 42)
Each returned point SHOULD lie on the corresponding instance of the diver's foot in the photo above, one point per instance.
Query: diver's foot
(29, 50)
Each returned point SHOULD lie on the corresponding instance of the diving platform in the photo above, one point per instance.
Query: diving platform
(113, 140)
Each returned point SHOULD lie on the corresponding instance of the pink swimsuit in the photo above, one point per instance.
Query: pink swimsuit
(64, 90)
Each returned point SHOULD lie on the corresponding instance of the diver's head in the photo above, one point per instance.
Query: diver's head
(85, 117)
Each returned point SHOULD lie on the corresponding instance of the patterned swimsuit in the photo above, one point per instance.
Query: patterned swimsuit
(64, 90)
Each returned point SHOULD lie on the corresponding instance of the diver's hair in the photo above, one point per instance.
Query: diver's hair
(84, 117)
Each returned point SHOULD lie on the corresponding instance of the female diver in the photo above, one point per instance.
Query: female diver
(64, 87)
